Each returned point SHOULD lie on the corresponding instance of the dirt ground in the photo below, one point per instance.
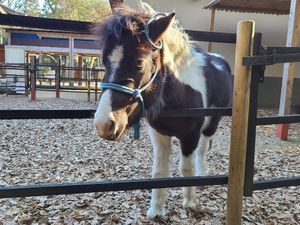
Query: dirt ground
(42, 151)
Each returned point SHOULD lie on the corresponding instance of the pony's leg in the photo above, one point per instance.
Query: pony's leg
(187, 167)
(201, 155)
(210, 127)
(162, 150)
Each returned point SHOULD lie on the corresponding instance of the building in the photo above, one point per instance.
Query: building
(73, 48)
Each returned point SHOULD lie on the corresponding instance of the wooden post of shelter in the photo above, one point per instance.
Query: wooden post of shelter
(27, 78)
(78, 72)
(289, 69)
(239, 124)
(89, 85)
(115, 4)
(33, 71)
(211, 26)
(57, 79)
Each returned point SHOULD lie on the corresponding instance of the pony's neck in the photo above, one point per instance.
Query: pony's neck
(177, 50)
(177, 55)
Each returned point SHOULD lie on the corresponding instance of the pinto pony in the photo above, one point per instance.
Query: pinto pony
(151, 66)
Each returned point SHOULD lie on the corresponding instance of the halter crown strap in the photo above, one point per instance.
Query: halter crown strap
(160, 44)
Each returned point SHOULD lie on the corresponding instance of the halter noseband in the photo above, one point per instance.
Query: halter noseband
(137, 93)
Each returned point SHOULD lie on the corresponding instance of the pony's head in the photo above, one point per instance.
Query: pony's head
(132, 56)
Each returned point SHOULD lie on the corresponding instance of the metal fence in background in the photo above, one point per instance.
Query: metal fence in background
(28, 78)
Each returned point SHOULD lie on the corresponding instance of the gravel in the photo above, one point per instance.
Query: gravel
(56, 151)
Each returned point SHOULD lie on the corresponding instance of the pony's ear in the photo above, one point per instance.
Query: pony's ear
(158, 27)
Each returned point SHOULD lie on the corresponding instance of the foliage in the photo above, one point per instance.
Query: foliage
(28, 7)
(92, 10)
(82, 10)
(3, 37)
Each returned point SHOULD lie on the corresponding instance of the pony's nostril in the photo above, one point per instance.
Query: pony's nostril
(110, 126)
(107, 129)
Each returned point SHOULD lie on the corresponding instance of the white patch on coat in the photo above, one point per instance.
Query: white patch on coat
(215, 54)
(115, 59)
(161, 151)
(217, 65)
(104, 111)
(192, 74)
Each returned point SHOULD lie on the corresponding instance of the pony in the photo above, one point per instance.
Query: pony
(151, 66)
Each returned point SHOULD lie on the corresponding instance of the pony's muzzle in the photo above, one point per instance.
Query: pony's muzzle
(107, 130)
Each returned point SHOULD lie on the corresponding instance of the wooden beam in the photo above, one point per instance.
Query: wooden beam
(94, 52)
(220, 37)
(239, 124)
(211, 26)
(45, 23)
(54, 34)
(289, 69)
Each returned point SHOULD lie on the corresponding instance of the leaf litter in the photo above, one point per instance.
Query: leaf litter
(58, 151)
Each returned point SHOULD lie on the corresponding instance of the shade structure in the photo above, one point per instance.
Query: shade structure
(278, 7)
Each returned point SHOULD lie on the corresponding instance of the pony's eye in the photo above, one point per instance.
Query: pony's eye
(140, 64)
(126, 82)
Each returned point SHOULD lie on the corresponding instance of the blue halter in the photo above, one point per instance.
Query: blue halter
(137, 93)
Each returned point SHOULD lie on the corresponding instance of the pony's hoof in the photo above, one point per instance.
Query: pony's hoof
(152, 213)
(189, 204)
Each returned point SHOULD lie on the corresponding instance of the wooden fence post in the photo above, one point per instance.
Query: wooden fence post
(57, 79)
(239, 124)
(33, 71)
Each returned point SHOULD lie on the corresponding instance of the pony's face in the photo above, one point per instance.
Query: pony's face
(130, 60)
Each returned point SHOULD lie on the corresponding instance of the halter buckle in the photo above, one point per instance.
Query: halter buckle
(136, 93)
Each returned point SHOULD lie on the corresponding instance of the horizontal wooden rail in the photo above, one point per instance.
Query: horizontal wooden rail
(281, 50)
(278, 120)
(271, 59)
(89, 113)
(212, 36)
(276, 183)
(105, 186)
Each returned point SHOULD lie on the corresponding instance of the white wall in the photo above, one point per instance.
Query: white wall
(192, 16)
(14, 55)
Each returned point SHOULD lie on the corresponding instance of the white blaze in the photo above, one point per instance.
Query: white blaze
(115, 59)
(104, 111)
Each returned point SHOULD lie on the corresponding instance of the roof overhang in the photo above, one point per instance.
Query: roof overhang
(278, 7)
(46, 23)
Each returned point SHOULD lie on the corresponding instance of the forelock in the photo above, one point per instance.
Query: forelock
(124, 19)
